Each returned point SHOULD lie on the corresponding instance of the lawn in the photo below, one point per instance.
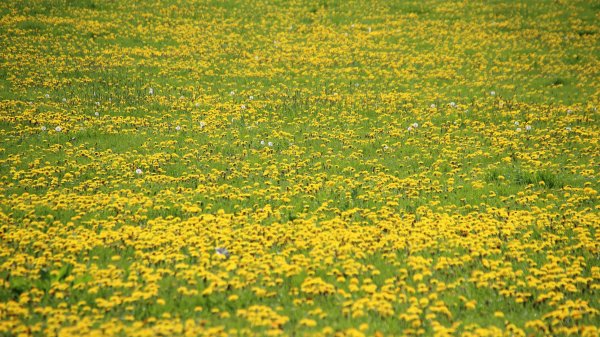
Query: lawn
(299, 168)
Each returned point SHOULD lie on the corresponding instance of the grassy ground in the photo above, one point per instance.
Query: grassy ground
(299, 168)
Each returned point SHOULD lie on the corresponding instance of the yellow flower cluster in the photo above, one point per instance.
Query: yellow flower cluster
(294, 168)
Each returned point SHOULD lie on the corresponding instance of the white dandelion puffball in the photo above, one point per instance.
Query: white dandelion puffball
(410, 128)
(270, 144)
(528, 127)
(64, 100)
(568, 128)
(251, 97)
(452, 104)
(262, 142)
(202, 125)
(47, 95)
(58, 129)
(518, 129)
(493, 93)
(138, 171)
(432, 106)
(151, 91)
(178, 128)
(517, 123)
(43, 128)
(232, 93)
(96, 113)
(415, 125)
(243, 106)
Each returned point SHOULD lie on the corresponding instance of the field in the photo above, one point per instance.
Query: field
(299, 168)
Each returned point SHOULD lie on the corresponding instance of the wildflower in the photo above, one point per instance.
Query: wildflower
(243, 107)
(47, 95)
(415, 125)
(432, 106)
(58, 129)
(251, 97)
(64, 100)
(43, 128)
(270, 143)
(452, 105)
(97, 103)
(202, 125)
(151, 91)
(138, 171)
(410, 128)
(493, 93)
(178, 128)
(96, 113)
(518, 129)
(528, 127)
(568, 128)
(516, 123)
(231, 93)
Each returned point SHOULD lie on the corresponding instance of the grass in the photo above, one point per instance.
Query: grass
(382, 168)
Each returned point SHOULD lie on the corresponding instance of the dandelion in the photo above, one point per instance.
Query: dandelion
(222, 251)
(181, 97)
(493, 93)
(270, 144)
(518, 129)
(197, 105)
(452, 105)
(58, 129)
(432, 106)
(251, 97)
(528, 127)
(385, 147)
(569, 111)
(178, 128)
(262, 142)
(97, 103)
(202, 125)
(64, 100)
(415, 125)
(410, 128)
(138, 171)
(43, 128)
(96, 113)
(231, 93)
(568, 128)
(516, 123)
(151, 91)
(243, 106)
(47, 95)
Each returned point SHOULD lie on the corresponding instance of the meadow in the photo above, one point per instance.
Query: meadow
(299, 168)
